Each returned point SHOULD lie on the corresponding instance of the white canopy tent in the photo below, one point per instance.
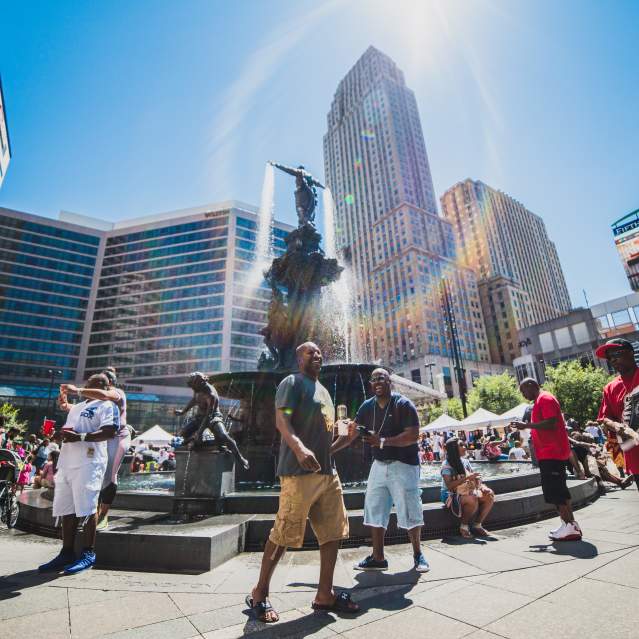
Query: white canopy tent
(517, 412)
(414, 391)
(155, 436)
(483, 418)
(443, 422)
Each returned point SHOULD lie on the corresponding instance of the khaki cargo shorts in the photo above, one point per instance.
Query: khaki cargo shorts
(313, 496)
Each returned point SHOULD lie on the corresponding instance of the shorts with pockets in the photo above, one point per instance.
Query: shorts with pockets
(316, 497)
(553, 481)
(77, 490)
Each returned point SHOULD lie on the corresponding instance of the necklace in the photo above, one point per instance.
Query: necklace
(381, 426)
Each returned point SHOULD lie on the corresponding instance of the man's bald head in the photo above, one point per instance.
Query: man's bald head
(309, 359)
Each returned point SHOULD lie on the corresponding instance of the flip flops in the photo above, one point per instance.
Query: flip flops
(342, 603)
(261, 608)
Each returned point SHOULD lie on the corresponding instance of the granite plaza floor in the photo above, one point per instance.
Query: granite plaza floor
(516, 585)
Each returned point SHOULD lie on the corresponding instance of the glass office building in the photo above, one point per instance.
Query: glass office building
(155, 297)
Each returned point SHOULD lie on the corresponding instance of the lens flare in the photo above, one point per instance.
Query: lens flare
(349, 198)
(357, 164)
(368, 134)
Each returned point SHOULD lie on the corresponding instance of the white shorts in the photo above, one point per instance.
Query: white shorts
(77, 490)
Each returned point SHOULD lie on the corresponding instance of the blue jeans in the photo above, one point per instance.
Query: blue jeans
(393, 482)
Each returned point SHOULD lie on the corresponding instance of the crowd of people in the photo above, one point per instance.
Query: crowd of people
(82, 462)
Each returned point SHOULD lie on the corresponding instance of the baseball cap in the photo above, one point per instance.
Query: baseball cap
(616, 343)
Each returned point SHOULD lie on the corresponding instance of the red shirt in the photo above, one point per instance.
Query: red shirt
(612, 407)
(549, 444)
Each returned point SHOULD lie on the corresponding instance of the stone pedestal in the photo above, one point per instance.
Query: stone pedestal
(202, 478)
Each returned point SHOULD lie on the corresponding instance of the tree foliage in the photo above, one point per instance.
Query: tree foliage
(452, 407)
(496, 393)
(578, 388)
(9, 417)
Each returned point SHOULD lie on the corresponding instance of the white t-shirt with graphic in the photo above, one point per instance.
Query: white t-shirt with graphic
(88, 417)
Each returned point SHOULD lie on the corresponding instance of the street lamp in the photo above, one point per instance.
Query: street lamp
(429, 366)
(52, 373)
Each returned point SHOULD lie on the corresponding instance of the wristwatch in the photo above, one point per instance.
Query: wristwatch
(82, 436)
(381, 442)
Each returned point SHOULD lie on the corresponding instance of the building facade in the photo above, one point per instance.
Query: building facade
(5, 143)
(155, 297)
(507, 246)
(388, 227)
(626, 234)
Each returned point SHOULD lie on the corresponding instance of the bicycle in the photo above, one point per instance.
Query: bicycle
(9, 470)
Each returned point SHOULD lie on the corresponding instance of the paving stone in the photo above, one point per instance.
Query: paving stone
(107, 617)
(191, 603)
(54, 622)
(173, 629)
(412, 623)
(624, 571)
(291, 623)
(32, 601)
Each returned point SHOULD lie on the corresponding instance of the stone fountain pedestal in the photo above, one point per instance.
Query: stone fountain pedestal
(203, 477)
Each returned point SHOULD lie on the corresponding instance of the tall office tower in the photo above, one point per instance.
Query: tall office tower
(46, 277)
(5, 145)
(626, 233)
(387, 222)
(520, 278)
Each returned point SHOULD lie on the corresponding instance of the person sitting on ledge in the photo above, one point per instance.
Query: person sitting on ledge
(463, 492)
(208, 415)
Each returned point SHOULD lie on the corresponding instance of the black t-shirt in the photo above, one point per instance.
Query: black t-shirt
(401, 414)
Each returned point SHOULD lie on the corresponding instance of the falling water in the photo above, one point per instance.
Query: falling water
(337, 296)
(264, 242)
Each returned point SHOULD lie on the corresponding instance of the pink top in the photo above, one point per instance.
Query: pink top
(25, 475)
(47, 472)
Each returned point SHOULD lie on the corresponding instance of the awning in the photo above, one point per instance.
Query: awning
(443, 422)
(483, 418)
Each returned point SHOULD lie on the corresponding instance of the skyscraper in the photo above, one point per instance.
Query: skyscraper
(387, 224)
(520, 278)
(626, 232)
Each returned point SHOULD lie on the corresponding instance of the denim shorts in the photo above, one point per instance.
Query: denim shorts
(393, 483)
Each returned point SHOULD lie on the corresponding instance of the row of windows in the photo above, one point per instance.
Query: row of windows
(164, 273)
(145, 245)
(251, 316)
(149, 265)
(166, 230)
(33, 372)
(39, 309)
(157, 320)
(45, 240)
(28, 358)
(178, 249)
(35, 296)
(122, 288)
(56, 253)
(160, 296)
(54, 231)
(244, 353)
(156, 344)
(242, 222)
(247, 340)
(252, 236)
(37, 320)
(162, 307)
(41, 334)
(55, 265)
(153, 358)
(165, 370)
(156, 331)
(57, 276)
(43, 285)
(39, 346)
(246, 327)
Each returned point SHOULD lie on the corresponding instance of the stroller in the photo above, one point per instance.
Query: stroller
(10, 464)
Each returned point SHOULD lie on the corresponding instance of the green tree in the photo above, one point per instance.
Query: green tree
(452, 407)
(578, 388)
(496, 393)
(9, 417)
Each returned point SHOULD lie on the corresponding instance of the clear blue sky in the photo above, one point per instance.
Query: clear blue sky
(123, 109)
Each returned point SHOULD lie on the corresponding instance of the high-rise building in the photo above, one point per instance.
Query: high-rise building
(626, 233)
(387, 223)
(5, 144)
(156, 297)
(520, 278)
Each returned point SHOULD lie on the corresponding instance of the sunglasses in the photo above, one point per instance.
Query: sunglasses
(613, 354)
(379, 378)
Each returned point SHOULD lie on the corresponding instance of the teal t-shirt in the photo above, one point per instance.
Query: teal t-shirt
(312, 417)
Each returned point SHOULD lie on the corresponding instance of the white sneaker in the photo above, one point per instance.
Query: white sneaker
(568, 532)
(552, 533)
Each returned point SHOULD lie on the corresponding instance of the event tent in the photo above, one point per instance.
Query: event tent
(517, 412)
(442, 423)
(156, 436)
(483, 418)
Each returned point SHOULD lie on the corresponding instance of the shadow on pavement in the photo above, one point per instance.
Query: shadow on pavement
(11, 585)
(577, 549)
(305, 626)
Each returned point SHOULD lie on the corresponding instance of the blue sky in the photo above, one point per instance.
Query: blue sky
(123, 109)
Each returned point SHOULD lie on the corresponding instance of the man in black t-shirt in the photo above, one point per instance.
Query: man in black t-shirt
(393, 429)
